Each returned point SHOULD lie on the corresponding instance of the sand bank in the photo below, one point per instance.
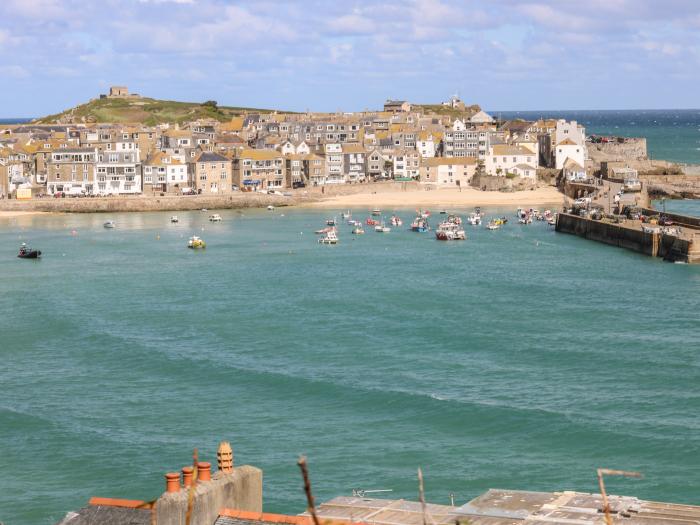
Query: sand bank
(12, 213)
(443, 198)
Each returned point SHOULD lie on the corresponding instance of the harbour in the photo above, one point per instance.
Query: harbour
(439, 355)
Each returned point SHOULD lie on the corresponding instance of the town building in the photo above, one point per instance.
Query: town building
(447, 172)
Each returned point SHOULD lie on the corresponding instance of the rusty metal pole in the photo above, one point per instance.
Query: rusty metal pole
(610, 472)
(307, 489)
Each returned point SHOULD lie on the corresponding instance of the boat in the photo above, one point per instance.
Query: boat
(204, 209)
(450, 231)
(174, 219)
(443, 212)
(346, 215)
(215, 218)
(423, 214)
(371, 222)
(353, 222)
(396, 221)
(358, 230)
(382, 228)
(474, 219)
(331, 222)
(109, 224)
(270, 207)
(376, 212)
(493, 225)
(323, 231)
(196, 243)
(330, 238)
(454, 219)
(25, 252)
(420, 225)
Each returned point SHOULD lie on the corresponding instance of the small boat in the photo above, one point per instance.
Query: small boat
(474, 219)
(330, 238)
(353, 222)
(270, 207)
(382, 228)
(331, 222)
(454, 219)
(323, 231)
(420, 225)
(450, 231)
(423, 214)
(203, 209)
(174, 219)
(25, 252)
(109, 224)
(443, 212)
(196, 243)
(371, 222)
(346, 215)
(396, 221)
(552, 219)
(376, 212)
(358, 230)
(493, 225)
(215, 218)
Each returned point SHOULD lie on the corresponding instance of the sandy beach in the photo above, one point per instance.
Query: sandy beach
(442, 198)
(10, 214)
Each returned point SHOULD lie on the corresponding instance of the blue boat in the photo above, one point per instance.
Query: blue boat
(420, 225)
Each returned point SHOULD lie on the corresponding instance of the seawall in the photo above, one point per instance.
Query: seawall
(669, 247)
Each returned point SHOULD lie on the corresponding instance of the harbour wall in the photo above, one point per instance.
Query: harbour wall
(669, 247)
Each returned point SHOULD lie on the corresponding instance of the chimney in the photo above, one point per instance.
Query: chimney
(203, 471)
(224, 457)
(172, 482)
(187, 476)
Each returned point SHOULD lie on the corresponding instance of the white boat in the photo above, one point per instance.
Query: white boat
(474, 219)
(450, 231)
(270, 207)
(358, 230)
(215, 218)
(493, 225)
(396, 221)
(382, 228)
(346, 215)
(329, 238)
(174, 219)
(110, 224)
(376, 212)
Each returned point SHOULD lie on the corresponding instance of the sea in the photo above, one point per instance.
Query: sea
(519, 358)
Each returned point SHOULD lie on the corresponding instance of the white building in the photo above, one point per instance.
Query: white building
(334, 163)
(569, 149)
(506, 158)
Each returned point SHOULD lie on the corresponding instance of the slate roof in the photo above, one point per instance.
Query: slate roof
(103, 515)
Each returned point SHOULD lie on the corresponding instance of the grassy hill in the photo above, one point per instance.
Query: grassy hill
(447, 110)
(146, 111)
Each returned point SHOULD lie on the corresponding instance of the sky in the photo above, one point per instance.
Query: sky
(352, 55)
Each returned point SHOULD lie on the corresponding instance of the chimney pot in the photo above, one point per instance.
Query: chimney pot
(172, 482)
(203, 471)
(187, 476)
(224, 457)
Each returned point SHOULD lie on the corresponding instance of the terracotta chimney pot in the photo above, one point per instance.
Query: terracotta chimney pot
(172, 482)
(203, 471)
(187, 476)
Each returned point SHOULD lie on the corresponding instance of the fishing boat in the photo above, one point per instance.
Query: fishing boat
(196, 243)
(474, 219)
(215, 218)
(396, 221)
(371, 222)
(376, 212)
(450, 231)
(174, 219)
(358, 229)
(109, 224)
(25, 252)
(331, 222)
(330, 238)
(420, 225)
(493, 225)
(382, 228)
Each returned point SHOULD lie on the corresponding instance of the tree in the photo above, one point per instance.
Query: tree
(211, 104)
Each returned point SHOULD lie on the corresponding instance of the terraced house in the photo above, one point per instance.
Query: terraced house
(118, 168)
(72, 171)
(259, 169)
(212, 173)
(165, 173)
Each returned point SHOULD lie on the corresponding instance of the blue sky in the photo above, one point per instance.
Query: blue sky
(351, 55)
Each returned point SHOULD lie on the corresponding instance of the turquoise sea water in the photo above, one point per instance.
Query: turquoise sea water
(520, 358)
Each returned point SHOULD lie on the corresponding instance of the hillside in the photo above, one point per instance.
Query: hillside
(146, 111)
(448, 110)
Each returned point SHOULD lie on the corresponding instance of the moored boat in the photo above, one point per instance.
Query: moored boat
(474, 219)
(493, 225)
(358, 229)
(196, 243)
(323, 231)
(331, 222)
(396, 221)
(382, 228)
(346, 215)
(330, 238)
(25, 252)
(215, 218)
(450, 231)
(420, 225)
(110, 224)
(371, 222)
(174, 219)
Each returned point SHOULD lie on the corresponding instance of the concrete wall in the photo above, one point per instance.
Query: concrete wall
(633, 149)
(241, 489)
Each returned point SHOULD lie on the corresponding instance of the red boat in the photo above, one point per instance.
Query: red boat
(371, 222)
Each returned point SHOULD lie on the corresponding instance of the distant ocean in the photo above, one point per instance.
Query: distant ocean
(672, 134)
(14, 120)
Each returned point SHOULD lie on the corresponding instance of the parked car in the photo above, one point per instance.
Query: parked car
(583, 201)
(298, 184)
(665, 221)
